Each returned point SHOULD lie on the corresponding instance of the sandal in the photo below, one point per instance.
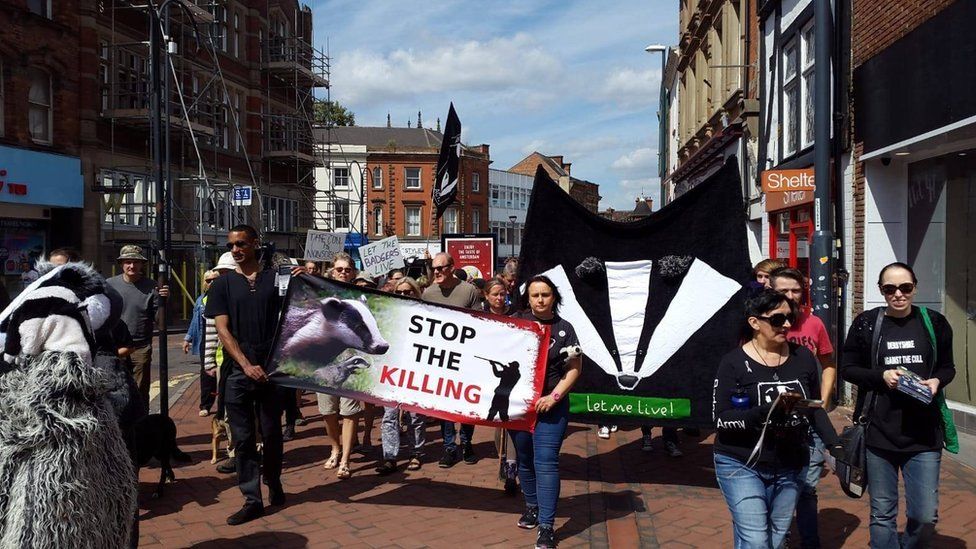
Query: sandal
(413, 464)
(332, 461)
(343, 472)
(389, 466)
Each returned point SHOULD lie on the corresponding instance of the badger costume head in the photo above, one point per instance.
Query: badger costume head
(62, 310)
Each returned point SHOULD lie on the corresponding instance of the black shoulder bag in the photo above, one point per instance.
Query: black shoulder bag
(852, 465)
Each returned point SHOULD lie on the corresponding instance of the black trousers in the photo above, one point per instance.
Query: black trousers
(244, 400)
(208, 388)
(289, 401)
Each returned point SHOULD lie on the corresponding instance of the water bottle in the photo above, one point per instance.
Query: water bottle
(740, 399)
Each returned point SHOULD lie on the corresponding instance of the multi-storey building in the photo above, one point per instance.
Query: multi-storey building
(714, 74)
(341, 180)
(914, 177)
(399, 177)
(41, 186)
(510, 193)
(585, 192)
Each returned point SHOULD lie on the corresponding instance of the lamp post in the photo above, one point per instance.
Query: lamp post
(512, 219)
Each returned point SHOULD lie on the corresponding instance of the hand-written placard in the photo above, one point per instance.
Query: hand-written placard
(381, 257)
(321, 245)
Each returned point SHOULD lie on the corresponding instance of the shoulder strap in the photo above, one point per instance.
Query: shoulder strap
(927, 321)
(875, 346)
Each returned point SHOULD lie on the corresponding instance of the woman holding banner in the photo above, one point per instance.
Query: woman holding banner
(496, 302)
(390, 425)
(764, 403)
(538, 452)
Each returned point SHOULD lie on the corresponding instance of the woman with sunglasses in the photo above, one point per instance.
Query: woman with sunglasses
(903, 432)
(761, 443)
(393, 416)
(199, 336)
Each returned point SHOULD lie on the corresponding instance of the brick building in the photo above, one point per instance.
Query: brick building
(41, 186)
(585, 192)
(75, 128)
(914, 176)
(643, 207)
(400, 168)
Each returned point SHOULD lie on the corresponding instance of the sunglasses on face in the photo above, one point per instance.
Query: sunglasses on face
(240, 244)
(778, 320)
(209, 280)
(342, 269)
(441, 268)
(890, 289)
(404, 292)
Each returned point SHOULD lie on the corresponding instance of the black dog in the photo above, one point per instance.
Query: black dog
(155, 437)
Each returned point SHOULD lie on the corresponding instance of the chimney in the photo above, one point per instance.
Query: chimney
(650, 203)
(420, 122)
(388, 124)
(484, 149)
(568, 167)
(558, 160)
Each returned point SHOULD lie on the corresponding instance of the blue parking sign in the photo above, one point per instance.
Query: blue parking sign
(242, 196)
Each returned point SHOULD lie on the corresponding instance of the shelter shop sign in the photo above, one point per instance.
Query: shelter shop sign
(788, 188)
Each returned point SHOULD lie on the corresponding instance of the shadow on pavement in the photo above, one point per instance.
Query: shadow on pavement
(175, 497)
(839, 526)
(257, 539)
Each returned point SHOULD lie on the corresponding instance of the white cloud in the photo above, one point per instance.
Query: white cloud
(503, 64)
(639, 160)
(631, 89)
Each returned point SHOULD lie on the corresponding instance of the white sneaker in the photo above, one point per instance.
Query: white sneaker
(673, 449)
(613, 428)
(604, 432)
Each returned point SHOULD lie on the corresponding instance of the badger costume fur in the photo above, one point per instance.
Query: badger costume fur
(66, 476)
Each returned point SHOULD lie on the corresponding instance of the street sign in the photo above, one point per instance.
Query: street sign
(242, 196)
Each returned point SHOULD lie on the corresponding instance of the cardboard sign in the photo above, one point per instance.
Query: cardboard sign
(381, 257)
(788, 180)
(417, 249)
(473, 253)
(322, 245)
(439, 361)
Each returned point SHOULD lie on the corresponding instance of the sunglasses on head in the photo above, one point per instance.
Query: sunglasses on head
(240, 244)
(890, 289)
(778, 320)
(440, 268)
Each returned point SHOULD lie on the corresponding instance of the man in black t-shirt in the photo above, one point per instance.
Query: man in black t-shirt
(245, 306)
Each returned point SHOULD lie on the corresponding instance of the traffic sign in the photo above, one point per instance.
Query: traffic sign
(242, 196)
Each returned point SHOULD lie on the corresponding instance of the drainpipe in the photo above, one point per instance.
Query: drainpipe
(823, 246)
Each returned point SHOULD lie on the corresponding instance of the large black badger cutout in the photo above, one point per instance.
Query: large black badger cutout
(655, 303)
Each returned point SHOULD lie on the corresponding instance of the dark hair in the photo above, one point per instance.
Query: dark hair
(760, 303)
(461, 274)
(557, 297)
(71, 253)
(788, 272)
(899, 265)
(251, 232)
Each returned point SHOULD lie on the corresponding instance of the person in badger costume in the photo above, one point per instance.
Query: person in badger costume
(66, 475)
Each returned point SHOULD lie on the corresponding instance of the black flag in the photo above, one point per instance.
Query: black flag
(446, 182)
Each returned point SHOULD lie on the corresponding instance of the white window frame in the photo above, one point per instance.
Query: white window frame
(476, 182)
(340, 214)
(31, 105)
(378, 220)
(237, 34)
(340, 178)
(418, 211)
(407, 179)
(377, 177)
(281, 214)
(807, 67)
(451, 221)
(791, 83)
(476, 220)
(494, 195)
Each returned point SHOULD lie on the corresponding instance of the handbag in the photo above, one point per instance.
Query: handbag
(950, 438)
(852, 463)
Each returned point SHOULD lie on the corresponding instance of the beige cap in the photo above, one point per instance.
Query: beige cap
(226, 262)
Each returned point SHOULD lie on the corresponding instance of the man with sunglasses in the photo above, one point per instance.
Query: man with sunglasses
(447, 289)
(245, 306)
(809, 331)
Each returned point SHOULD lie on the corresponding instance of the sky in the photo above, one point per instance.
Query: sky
(561, 77)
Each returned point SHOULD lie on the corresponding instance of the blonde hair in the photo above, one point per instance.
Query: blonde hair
(409, 281)
(767, 266)
(207, 274)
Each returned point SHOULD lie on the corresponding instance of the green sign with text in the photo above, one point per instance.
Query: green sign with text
(617, 405)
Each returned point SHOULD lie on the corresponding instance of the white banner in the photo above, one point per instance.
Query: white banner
(381, 257)
(417, 249)
(322, 245)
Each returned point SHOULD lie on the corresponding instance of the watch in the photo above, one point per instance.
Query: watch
(555, 396)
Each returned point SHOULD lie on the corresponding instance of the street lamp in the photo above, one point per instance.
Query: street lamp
(512, 219)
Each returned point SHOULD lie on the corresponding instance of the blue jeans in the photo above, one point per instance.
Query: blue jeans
(806, 504)
(538, 460)
(390, 432)
(921, 473)
(761, 500)
(448, 432)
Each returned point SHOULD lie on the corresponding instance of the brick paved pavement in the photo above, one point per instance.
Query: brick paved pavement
(612, 494)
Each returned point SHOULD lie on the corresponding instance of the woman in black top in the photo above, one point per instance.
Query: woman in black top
(538, 452)
(761, 445)
(903, 432)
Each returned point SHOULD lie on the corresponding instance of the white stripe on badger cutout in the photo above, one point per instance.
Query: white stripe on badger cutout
(628, 286)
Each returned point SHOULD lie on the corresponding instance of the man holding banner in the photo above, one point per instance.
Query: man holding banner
(448, 290)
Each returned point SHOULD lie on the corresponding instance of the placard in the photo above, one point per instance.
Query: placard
(474, 253)
(323, 245)
(381, 257)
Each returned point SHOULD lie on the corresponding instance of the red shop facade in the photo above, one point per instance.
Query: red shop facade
(789, 205)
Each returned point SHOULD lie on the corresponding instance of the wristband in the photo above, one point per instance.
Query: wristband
(555, 396)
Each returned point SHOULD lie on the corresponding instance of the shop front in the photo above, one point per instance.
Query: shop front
(41, 196)
(789, 204)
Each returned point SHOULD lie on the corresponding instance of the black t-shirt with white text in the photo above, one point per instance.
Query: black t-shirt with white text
(561, 335)
(252, 312)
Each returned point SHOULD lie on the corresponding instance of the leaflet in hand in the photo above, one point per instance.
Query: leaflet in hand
(911, 384)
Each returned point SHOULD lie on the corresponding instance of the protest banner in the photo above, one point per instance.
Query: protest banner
(391, 350)
(322, 245)
(475, 253)
(417, 249)
(381, 257)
